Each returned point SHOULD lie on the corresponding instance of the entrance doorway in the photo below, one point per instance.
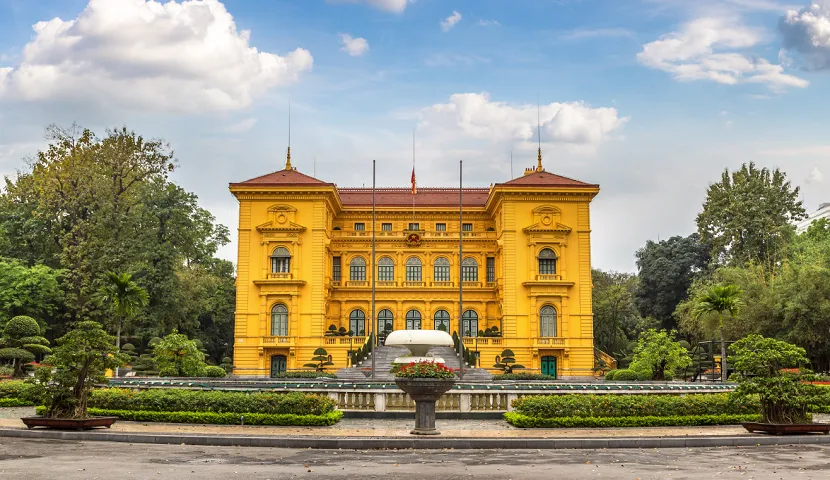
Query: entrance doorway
(277, 365)
(413, 320)
(549, 366)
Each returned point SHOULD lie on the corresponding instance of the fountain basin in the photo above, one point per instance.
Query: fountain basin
(418, 342)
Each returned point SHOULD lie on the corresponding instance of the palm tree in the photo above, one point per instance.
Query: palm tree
(124, 297)
(716, 302)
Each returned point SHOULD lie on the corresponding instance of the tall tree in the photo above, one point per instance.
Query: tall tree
(747, 217)
(666, 270)
(123, 297)
(615, 316)
(34, 291)
(717, 302)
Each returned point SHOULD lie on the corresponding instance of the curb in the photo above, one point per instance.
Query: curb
(358, 443)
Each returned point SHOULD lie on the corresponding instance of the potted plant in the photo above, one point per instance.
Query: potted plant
(773, 370)
(78, 362)
(425, 382)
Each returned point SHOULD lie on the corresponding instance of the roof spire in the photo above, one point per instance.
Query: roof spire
(288, 152)
(539, 167)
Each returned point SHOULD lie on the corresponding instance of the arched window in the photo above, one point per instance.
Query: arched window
(413, 320)
(469, 270)
(385, 321)
(469, 324)
(547, 321)
(413, 269)
(442, 320)
(386, 270)
(547, 262)
(279, 321)
(281, 260)
(357, 269)
(357, 322)
(441, 269)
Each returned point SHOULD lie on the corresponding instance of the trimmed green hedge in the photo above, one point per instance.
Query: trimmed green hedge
(178, 400)
(553, 406)
(15, 402)
(523, 376)
(524, 421)
(304, 374)
(213, 418)
(22, 390)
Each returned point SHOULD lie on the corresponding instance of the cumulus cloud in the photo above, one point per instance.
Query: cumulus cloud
(476, 116)
(449, 22)
(489, 23)
(815, 176)
(176, 56)
(807, 32)
(394, 6)
(354, 46)
(708, 49)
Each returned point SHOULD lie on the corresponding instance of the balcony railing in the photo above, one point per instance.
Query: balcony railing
(385, 283)
(471, 284)
(548, 277)
(443, 284)
(279, 276)
(410, 283)
(357, 283)
(472, 341)
(355, 340)
(550, 341)
(276, 340)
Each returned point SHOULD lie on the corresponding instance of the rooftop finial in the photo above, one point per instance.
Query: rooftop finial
(539, 137)
(288, 152)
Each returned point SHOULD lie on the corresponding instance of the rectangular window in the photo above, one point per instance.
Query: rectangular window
(466, 227)
(280, 264)
(491, 269)
(359, 227)
(335, 269)
(413, 273)
(386, 227)
(547, 266)
(469, 273)
(440, 227)
(414, 226)
(442, 273)
(357, 272)
(386, 273)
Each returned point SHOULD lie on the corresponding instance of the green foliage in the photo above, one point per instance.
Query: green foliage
(666, 270)
(213, 418)
(774, 371)
(552, 406)
(523, 421)
(27, 290)
(424, 370)
(177, 400)
(303, 374)
(21, 327)
(747, 217)
(610, 375)
(80, 360)
(214, 372)
(625, 375)
(616, 318)
(15, 402)
(321, 359)
(657, 353)
(21, 337)
(523, 376)
(123, 297)
(507, 361)
(145, 365)
(24, 391)
(177, 356)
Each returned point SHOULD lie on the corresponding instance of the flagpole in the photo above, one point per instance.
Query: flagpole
(460, 261)
(374, 273)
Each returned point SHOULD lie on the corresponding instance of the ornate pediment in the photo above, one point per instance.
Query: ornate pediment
(280, 227)
(546, 219)
(541, 227)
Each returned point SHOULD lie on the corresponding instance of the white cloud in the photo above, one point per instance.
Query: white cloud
(241, 126)
(450, 21)
(443, 59)
(807, 31)
(810, 151)
(394, 6)
(475, 116)
(705, 49)
(815, 176)
(354, 46)
(489, 23)
(186, 57)
(583, 33)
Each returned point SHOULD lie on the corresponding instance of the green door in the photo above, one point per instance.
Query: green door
(549, 366)
(277, 365)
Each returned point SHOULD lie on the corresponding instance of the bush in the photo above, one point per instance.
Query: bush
(282, 419)
(6, 370)
(304, 374)
(21, 326)
(523, 376)
(25, 391)
(176, 400)
(215, 372)
(15, 402)
(626, 375)
(610, 375)
(524, 421)
(177, 356)
(553, 406)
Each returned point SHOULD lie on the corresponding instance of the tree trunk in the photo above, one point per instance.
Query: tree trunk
(723, 366)
(118, 342)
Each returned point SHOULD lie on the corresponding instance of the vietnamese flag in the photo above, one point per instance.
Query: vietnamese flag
(414, 190)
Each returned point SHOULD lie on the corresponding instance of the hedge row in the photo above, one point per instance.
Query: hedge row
(21, 390)
(303, 374)
(524, 421)
(553, 406)
(15, 402)
(178, 400)
(523, 376)
(283, 419)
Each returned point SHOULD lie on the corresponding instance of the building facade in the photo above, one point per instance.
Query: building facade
(305, 267)
(822, 212)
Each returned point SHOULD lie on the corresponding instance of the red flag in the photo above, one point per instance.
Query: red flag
(414, 189)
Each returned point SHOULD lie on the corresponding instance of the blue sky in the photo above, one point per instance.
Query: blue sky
(649, 98)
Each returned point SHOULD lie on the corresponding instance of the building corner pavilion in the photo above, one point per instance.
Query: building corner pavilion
(305, 267)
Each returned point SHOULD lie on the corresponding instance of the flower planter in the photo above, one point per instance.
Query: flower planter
(69, 423)
(787, 429)
(425, 392)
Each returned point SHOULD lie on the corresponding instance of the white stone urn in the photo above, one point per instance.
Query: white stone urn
(418, 342)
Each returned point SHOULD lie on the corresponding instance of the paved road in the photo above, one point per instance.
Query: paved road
(41, 459)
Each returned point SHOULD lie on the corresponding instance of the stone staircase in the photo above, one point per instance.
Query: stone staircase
(386, 355)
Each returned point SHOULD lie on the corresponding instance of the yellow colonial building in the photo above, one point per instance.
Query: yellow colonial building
(305, 267)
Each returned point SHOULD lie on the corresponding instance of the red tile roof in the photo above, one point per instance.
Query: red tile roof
(283, 178)
(426, 197)
(546, 179)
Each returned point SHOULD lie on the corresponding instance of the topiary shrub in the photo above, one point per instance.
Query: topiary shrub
(177, 356)
(22, 341)
(626, 375)
(215, 372)
(610, 375)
